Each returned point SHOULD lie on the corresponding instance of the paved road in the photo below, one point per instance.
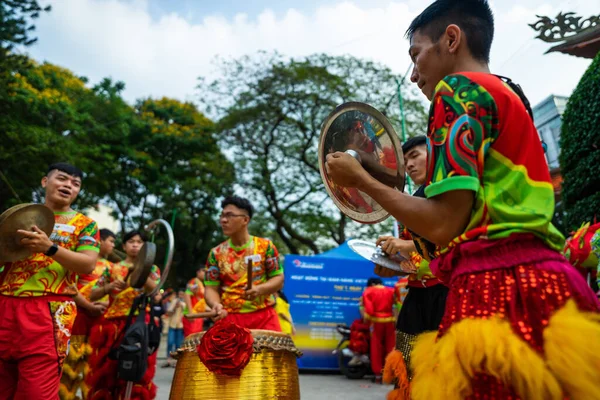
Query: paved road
(312, 387)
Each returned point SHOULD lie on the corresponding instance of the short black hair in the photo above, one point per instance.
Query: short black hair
(106, 233)
(474, 17)
(66, 168)
(413, 142)
(134, 233)
(374, 282)
(239, 202)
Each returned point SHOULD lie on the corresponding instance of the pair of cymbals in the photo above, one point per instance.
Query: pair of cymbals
(22, 217)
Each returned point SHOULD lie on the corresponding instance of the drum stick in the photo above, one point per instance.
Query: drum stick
(205, 314)
(249, 272)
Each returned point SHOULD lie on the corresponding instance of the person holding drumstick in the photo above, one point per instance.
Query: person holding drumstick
(518, 317)
(37, 307)
(248, 303)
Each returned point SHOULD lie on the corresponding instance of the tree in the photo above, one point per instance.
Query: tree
(49, 118)
(173, 165)
(271, 110)
(580, 150)
(144, 161)
(15, 30)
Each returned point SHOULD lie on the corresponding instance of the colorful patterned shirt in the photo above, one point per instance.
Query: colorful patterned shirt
(86, 283)
(195, 289)
(419, 258)
(227, 268)
(40, 275)
(481, 138)
(121, 301)
(400, 291)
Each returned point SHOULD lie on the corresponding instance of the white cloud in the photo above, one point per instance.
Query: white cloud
(163, 57)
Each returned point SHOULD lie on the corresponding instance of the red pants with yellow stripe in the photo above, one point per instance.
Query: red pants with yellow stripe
(34, 339)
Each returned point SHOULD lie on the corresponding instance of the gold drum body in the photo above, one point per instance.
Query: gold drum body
(272, 372)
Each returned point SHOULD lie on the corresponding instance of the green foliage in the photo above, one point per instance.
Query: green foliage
(144, 161)
(580, 150)
(271, 111)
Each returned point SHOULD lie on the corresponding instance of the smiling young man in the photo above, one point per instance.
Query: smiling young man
(37, 307)
(423, 307)
(227, 272)
(517, 314)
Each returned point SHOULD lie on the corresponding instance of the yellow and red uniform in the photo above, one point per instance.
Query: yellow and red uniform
(195, 289)
(76, 366)
(37, 312)
(378, 302)
(102, 380)
(227, 269)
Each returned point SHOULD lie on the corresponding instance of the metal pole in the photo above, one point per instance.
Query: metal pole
(403, 121)
(403, 116)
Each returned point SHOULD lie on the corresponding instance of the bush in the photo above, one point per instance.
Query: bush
(580, 150)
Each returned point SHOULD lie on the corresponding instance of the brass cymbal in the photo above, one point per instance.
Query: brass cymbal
(143, 265)
(22, 217)
(367, 135)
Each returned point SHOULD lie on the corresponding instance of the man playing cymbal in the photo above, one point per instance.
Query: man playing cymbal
(37, 307)
(517, 312)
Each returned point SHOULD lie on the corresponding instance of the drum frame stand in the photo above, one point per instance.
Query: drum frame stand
(168, 260)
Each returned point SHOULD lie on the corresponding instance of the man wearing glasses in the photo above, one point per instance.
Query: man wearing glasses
(227, 290)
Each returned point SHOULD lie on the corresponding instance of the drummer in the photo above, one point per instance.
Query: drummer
(102, 380)
(227, 271)
(36, 294)
(517, 312)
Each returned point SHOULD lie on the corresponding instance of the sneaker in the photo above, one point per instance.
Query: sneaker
(378, 380)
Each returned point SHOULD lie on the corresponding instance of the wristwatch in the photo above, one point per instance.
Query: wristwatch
(52, 250)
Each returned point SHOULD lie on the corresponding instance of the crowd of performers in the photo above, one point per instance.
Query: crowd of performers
(63, 309)
(495, 311)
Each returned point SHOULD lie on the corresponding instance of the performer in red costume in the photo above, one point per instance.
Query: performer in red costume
(102, 380)
(195, 303)
(72, 383)
(37, 310)
(227, 276)
(518, 317)
(378, 302)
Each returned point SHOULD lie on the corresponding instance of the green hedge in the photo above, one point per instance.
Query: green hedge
(580, 150)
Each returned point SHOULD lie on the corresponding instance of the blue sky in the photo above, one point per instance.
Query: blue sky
(161, 47)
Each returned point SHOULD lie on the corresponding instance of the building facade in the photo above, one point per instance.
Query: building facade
(548, 121)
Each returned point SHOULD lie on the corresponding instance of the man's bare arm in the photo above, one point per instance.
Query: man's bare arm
(438, 219)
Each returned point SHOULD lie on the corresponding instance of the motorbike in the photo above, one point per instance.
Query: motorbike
(351, 365)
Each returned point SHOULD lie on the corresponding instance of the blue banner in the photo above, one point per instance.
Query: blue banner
(324, 291)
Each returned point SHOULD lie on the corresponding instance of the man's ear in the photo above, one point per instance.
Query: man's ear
(44, 182)
(453, 38)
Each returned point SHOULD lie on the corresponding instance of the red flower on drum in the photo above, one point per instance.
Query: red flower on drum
(226, 348)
